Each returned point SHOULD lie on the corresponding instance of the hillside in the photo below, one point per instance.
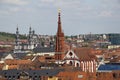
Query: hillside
(7, 36)
(4, 36)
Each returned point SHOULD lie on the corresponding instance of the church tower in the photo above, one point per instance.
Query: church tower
(17, 35)
(17, 40)
(31, 41)
(59, 48)
(30, 36)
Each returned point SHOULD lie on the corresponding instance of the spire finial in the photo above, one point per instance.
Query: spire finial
(17, 27)
(59, 10)
(30, 25)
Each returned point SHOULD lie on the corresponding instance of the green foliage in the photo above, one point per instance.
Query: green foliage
(4, 36)
(23, 37)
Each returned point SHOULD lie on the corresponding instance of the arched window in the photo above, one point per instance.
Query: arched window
(115, 75)
(77, 64)
(70, 62)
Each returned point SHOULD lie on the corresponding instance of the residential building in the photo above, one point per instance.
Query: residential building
(114, 38)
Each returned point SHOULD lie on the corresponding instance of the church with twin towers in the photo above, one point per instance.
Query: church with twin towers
(23, 45)
(32, 41)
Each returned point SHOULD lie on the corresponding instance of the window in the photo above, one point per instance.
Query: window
(70, 53)
(114, 75)
(18, 77)
(5, 76)
(96, 75)
(77, 64)
(59, 79)
(70, 62)
(30, 76)
(80, 76)
(34, 73)
(50, 77)
(5, 73)
(13, 76)
(35, 76)
(9, 77)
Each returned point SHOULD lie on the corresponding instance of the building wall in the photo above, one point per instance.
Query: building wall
(76, 75)
(52, 78)
(108, 75)
(86, 65)
(114, 39)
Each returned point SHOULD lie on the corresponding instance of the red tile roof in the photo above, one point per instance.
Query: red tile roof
(84, 54)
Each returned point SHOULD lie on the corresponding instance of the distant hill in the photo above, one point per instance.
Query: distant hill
(4, 36)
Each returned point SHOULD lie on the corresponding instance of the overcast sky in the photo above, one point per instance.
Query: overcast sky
(78, 16)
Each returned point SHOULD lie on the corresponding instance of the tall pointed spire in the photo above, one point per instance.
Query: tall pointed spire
(30, 35)
(30, 30)
(59, 22)
(17, 32)
(59, 36)
(17, 29)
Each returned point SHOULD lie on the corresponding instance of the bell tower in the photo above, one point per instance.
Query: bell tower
(60, 41)
(17, 41)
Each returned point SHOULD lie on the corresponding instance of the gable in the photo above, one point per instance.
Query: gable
(9, 56)
(70, 54)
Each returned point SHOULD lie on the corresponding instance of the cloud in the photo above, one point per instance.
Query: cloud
(47, 1)
(9, 11)
(68, 4)
(12, 6)
(84, 8)
(60, 3)
(14, 2)
(105, 14)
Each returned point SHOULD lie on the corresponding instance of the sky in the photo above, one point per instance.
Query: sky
(77, 16)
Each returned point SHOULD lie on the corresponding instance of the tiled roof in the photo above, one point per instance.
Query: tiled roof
(24, 61)
(13, 67)
(32, 73)
(17, 62)
(84, 54)
(43, 49)
(72, 75)
(28, 57)
(20, 55)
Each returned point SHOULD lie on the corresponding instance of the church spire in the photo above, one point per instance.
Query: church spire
(59, 22)
(17, 36)
(17, 32)
(30, 30)
(17, 29)
(59, 36)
